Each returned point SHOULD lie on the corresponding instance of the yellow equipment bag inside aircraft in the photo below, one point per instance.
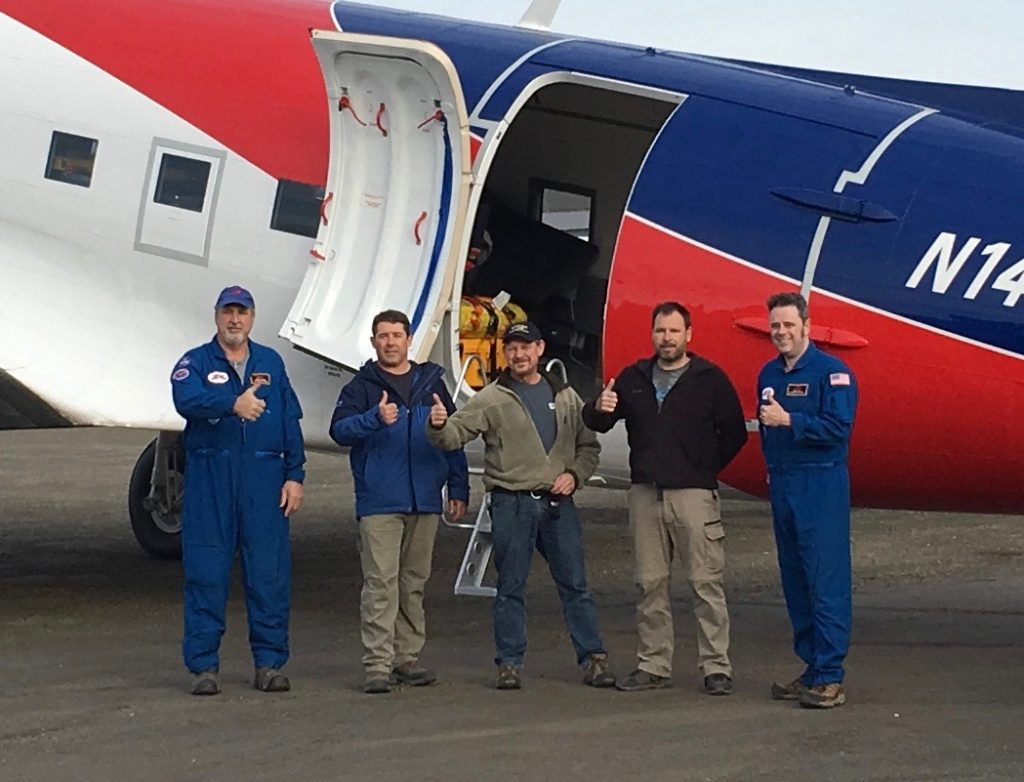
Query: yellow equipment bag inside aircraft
(481, 327)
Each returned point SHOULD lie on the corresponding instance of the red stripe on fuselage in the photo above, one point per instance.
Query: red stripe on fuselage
(937, 426)
(244, 73)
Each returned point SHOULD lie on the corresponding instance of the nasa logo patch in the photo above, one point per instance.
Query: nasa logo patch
(180, 374)
(218, 377)
(767, 394)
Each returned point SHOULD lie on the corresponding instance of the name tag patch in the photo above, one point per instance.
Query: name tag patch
(839, 379)
(796, 389)
(218, 378)
(259, 379)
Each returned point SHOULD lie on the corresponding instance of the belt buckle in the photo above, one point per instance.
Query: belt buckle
(535, 495)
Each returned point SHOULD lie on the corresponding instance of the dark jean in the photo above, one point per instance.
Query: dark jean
(520, 522)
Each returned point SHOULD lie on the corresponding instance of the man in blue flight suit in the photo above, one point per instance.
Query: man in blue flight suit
(243, 479)
(808, 400)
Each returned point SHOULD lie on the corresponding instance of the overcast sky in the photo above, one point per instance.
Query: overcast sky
(980, 42)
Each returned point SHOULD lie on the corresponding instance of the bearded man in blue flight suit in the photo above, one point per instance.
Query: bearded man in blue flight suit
(243, 479)
(808, 400)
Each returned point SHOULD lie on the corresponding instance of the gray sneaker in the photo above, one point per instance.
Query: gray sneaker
(206, 683)
(270, 680)
(642, 680)
(718, 684)
(413, 673)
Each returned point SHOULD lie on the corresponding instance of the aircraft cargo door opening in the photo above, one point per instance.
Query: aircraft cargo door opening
(545, 230)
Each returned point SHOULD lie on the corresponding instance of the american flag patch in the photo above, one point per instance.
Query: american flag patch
(839, 379)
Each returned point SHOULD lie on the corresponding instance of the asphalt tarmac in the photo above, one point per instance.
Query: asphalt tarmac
(93, 687)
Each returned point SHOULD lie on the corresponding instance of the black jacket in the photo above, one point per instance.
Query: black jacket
(697, 432)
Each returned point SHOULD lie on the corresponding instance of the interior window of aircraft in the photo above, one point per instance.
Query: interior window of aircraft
(297, 208)
(182, 182)
(567, 208)
(71, 159)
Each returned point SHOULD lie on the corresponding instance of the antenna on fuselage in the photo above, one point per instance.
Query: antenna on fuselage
(540, 15)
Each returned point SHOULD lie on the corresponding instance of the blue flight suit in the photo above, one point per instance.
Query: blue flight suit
(809, 483)
(234, 471)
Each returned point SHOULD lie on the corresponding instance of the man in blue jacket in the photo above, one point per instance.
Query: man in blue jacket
(382, 414)
(243, 480)
(808, 400)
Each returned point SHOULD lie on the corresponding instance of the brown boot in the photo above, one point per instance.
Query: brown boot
(823, 696)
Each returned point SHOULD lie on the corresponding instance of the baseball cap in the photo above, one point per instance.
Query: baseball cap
(524, 332)
(234, 295)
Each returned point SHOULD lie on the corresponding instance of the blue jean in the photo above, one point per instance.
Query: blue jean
(519, 522)
(811, 510)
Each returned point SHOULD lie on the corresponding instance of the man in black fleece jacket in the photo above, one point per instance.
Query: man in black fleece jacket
(684, 424)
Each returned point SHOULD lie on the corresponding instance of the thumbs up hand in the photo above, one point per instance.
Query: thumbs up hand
(609, 400)
(438, 413)
(388, 412)
(773, 414)
(248, 406)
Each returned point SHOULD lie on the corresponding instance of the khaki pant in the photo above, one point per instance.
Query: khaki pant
(395, 551)
(687, 521)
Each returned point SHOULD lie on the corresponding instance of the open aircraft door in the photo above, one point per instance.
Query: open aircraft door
(395, 202)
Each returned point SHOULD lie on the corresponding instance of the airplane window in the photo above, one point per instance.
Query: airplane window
(182, 182)
(297, 208)
(71, 159)
(564, 207)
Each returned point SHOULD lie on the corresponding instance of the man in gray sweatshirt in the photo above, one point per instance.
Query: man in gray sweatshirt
(537, 453)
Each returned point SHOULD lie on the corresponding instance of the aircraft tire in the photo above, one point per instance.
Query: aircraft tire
(159, 536)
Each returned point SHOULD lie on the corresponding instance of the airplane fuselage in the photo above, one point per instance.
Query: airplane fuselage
(712, 183)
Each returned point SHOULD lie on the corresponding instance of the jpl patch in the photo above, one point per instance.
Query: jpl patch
(796, 389)
(259, 379)
(180, 374)
(839, 379)
(218, 377)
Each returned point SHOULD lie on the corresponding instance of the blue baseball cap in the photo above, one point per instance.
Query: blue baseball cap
(523, 332)
(235, 295)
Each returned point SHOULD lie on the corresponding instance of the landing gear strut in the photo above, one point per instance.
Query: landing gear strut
(155, 495)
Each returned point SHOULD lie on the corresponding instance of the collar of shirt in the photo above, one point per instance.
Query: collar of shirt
(802, 362)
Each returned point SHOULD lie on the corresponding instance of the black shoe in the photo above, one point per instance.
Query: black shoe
(411, 673)
(596, 673)
(642, 680)
(787, 692)
(377, 683)
(718, 684)
(206, 683)
(271, 680)
(508, 677)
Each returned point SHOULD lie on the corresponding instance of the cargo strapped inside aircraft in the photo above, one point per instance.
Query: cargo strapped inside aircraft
(482, 322)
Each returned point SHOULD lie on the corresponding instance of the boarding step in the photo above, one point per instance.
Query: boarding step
(478, 554)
